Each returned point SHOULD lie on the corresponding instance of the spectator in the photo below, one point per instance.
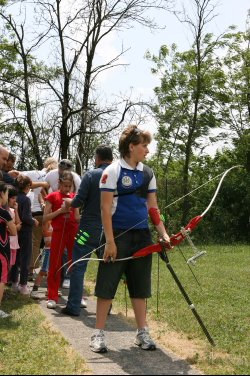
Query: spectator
(4, 155)
(87, 197)
(37, 210)
(24, 237)
(10, 177)
(7, 227)
(65, 224)
(43, 272)
(52, 179)
(13, 210)
(10, 162)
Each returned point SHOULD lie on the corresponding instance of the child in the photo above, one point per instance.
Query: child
(7, 227)
(65, 225)
(13, 210)
(23, 256)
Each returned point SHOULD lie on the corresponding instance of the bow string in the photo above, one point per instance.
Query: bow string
(175, 239)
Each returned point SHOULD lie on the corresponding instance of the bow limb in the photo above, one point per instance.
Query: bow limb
(218, 188)
(181, 235)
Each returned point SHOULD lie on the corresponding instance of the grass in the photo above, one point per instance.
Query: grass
(30, 345)
(222, 301)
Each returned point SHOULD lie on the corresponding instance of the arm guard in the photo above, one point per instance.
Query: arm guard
(154, 216)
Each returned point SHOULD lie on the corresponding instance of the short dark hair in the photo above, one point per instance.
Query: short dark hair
(12, 191)
(12, 157)
(104, 152)
(65, 163)
(23, 182)
(3, 186)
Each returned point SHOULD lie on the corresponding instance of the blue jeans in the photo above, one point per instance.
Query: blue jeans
(45, 260)
(78, 270)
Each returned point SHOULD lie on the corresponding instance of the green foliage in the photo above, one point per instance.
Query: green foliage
(201, 91)
(183, 86)
(3, 2)
(228, 219)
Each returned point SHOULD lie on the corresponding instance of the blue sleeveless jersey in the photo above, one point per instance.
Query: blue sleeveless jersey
(129, 208)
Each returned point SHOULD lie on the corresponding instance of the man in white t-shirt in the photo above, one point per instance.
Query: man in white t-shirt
(37, 211)
(53, 176)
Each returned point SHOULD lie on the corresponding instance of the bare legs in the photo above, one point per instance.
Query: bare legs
(102, 309)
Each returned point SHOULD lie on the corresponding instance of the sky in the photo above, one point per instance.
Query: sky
(139, 40)
(137, 76)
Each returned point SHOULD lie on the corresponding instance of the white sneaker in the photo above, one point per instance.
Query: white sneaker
(98, 343)
(51, 304)
(83, 303)
(23, 289)
(4, 315)
(66, 284)
(144, 340)
(35, 294)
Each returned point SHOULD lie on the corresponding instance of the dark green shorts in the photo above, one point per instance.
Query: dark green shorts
(137, 271)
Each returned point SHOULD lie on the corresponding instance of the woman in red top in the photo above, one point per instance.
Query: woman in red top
(65, 225)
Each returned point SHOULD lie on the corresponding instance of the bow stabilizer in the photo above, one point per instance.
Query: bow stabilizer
(180, 236)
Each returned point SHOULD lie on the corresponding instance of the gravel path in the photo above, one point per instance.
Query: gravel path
(123, 357)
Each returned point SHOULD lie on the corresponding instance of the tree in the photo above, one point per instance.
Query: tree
(186, 109)
(77, 30)
(63, 85)
(233, 99)
(17, 90)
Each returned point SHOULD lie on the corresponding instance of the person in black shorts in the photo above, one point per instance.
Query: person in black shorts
(128, 195)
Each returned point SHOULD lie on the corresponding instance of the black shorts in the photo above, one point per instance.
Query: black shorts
(137, 271)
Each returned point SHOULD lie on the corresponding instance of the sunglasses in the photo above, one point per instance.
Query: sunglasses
(134, 133)
(64, 164)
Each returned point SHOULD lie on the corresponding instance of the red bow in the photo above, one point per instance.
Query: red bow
(174, 240)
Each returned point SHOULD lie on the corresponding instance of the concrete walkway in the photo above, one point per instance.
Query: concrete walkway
(123, 357)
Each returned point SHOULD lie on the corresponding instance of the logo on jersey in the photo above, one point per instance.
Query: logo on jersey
(104, 179)
(127, 181)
